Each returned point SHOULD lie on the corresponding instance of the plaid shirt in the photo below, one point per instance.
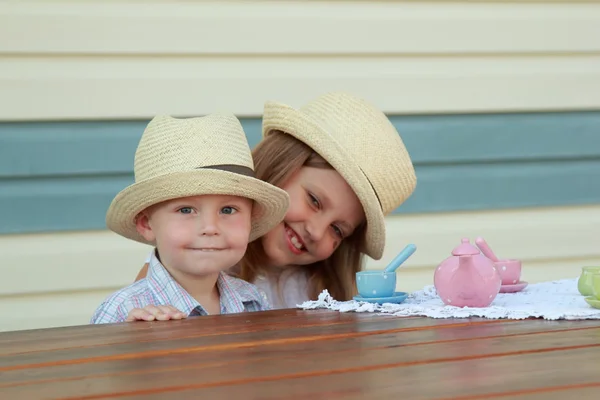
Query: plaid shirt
(159, 288)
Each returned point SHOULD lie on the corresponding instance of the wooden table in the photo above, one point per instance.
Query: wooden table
(305, 355)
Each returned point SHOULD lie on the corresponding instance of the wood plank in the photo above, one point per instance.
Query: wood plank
(221, 341)
(274, 351)
(486, 377)
(583, 391)
(109, 334)
(579, 392)
(477, 360)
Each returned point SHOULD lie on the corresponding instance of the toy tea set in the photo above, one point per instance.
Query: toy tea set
(380, 286)
(589, 285)
(468, 278)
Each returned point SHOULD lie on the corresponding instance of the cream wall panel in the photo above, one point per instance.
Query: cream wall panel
(124, 87)
(64, 262)
(297, 27)
(49, 310)
(78, 60)
(59, 279)
(553, 243)
(540, 235)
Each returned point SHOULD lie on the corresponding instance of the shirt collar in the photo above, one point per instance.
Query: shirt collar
(231, 293)
(233, 297)
(168, 290)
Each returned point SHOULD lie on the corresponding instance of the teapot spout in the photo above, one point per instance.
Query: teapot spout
(465, 252)
(465, 262)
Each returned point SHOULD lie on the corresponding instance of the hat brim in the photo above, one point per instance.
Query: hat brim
(278, 116)
(270, 205)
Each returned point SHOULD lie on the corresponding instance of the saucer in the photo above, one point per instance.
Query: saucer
(397, 298)
(592, 301)
(517, 287)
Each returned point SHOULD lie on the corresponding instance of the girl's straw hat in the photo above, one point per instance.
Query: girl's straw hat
(361, 143)
(196, 156)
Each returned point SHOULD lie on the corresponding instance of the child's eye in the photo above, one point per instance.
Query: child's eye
(228, 210)
(338, 231)
(313, 199)
(185, 210)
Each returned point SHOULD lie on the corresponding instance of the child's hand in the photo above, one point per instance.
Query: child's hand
(151, 313)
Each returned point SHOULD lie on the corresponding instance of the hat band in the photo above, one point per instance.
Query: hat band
(236, 169)
(372, 187)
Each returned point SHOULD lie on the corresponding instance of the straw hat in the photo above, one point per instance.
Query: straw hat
(361, 143)
(196, 156)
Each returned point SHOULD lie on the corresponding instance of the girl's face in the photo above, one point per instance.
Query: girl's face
(323, 211)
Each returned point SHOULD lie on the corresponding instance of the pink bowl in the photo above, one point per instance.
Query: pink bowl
(509, 270)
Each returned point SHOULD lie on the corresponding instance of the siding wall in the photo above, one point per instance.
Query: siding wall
(498, 103)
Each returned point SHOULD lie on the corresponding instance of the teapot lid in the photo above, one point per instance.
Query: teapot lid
(465, 249)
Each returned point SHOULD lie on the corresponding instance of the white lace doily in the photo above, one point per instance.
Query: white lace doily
(549, 300)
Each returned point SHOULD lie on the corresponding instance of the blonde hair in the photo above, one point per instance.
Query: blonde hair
(276, 158)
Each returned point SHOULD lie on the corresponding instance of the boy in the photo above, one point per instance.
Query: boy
(196, 201)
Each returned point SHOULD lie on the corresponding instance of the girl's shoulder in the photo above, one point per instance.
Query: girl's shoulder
(288, 288)
(294, 276)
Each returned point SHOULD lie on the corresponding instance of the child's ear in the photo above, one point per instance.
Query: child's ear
(142, 225)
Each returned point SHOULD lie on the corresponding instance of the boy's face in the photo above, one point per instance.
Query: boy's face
(198, 235)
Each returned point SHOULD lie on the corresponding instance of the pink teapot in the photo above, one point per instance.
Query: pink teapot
(467, 278)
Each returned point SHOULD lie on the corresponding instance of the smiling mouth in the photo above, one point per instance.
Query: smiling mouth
(296, 243)
(206, 249)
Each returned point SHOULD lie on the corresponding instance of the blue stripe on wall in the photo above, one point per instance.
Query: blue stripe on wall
(62, 175)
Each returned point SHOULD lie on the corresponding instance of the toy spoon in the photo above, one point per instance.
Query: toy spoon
(400, 258)
(485, 249)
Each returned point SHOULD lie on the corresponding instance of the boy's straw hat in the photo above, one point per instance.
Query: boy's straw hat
(361, 143)
(196, 156)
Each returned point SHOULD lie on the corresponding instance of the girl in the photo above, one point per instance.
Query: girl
(345, 168)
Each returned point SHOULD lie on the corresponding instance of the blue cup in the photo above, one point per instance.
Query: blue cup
(372, 284)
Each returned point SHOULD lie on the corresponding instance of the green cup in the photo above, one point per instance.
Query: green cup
(584, 285)
(596, 285)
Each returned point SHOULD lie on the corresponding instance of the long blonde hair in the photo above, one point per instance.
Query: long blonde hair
(276, 158)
